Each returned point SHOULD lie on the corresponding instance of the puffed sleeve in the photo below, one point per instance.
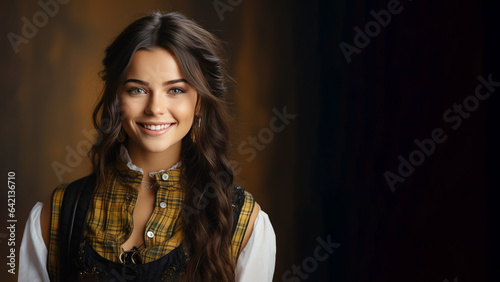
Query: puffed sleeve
(256, 261)
(33, 252)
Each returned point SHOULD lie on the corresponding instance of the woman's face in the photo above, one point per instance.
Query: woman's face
(157, 103)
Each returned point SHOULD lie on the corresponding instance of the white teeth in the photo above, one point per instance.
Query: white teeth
(156, 127)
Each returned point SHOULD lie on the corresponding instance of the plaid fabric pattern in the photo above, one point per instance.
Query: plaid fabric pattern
(53, 249)
(241, 227)
(109, 222)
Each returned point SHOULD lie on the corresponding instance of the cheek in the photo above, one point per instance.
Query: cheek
(184, 110)
(128, 110)
(125, 113)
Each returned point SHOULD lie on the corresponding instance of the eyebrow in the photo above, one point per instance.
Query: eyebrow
(147, 84)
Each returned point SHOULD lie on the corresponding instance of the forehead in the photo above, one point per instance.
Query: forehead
(149, 64)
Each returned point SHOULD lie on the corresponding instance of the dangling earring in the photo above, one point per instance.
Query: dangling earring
(121, 136)
(193, 137)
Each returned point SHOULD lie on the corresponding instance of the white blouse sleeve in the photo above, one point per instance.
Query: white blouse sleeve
(255, 263)
(33, 252)
(257, 259)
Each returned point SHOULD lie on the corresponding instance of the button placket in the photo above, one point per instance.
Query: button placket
(164, 177)
(150, 234)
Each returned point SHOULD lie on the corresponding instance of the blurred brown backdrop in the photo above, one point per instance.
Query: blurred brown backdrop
(51, 86)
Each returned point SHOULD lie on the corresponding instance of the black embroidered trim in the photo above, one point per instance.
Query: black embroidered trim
(87, 268)
(92, 267)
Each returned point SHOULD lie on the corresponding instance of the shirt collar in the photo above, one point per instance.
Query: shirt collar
(133, 174)
(125, 157)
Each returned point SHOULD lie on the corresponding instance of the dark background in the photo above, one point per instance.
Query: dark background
(323, 175)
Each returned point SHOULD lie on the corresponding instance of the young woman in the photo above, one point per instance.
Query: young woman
(160, 204)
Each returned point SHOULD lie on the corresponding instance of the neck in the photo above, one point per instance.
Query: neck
(153, 161)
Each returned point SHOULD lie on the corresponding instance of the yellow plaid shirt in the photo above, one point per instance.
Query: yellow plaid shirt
(109, 221)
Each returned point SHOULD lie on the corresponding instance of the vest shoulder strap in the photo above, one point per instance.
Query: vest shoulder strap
(243, 205)
(74, 209)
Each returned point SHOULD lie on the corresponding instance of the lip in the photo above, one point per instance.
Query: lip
(154, 132)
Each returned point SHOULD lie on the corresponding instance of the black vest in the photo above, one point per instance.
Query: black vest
(79, 262)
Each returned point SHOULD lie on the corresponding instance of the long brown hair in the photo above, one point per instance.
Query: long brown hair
(206, 175)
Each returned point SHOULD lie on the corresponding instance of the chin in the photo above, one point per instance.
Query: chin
(158, 147)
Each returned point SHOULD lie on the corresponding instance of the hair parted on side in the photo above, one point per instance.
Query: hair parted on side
(206, 174)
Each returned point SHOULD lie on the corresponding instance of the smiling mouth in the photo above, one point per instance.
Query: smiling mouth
(154, 127)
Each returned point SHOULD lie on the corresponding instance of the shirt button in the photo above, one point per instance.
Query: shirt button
(163, 205)
(150, 234)
(164, 177)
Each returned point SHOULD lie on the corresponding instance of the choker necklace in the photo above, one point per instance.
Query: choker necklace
(149, 185)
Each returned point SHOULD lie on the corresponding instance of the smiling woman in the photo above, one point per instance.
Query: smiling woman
(153, 105)
(160, 204)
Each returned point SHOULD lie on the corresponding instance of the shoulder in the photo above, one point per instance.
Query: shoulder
(52, 203)
(49, 217)
(251, 223)
(246, 210)
(242, 199)
(243, 203)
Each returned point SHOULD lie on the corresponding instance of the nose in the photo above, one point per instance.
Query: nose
(157, 104)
